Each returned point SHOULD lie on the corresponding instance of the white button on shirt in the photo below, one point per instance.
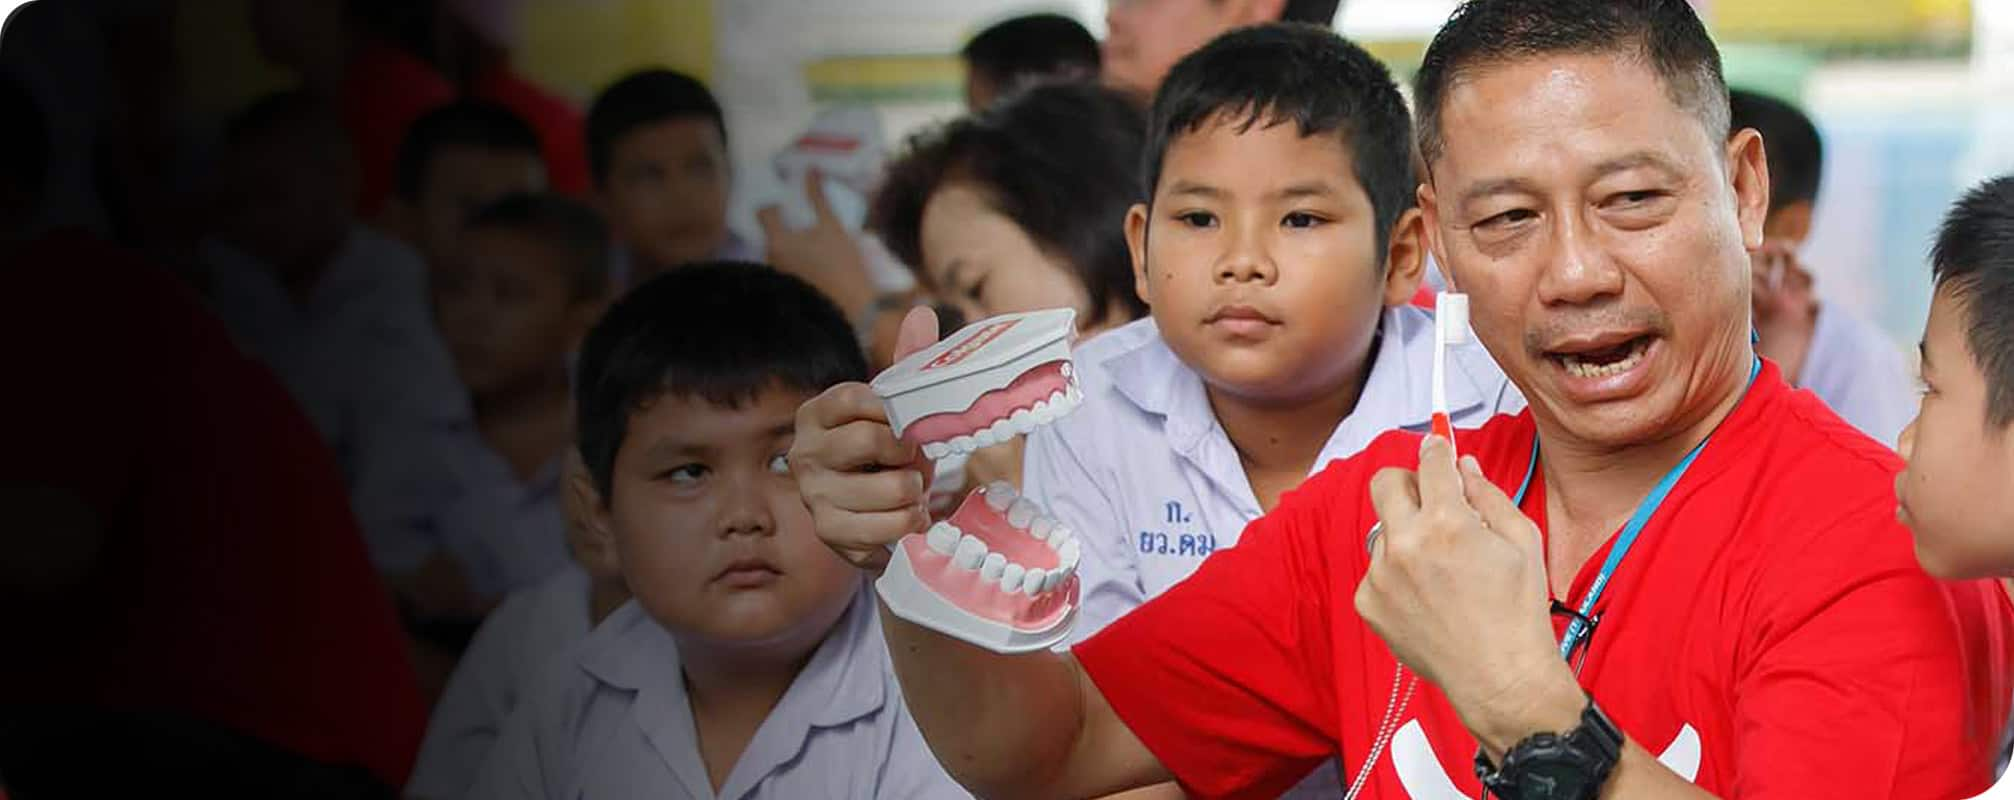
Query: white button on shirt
(616, 723)
(1152, 484)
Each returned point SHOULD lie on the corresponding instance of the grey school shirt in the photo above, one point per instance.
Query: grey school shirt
(611, 720)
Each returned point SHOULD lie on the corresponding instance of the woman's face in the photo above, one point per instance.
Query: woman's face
(982, 263)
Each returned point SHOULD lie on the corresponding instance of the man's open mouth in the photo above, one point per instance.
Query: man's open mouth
(1604, 361)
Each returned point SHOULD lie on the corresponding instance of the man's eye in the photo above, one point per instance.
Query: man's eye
(1508, 218)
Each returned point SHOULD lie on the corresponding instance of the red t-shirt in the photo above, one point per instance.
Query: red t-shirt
(1770, 634)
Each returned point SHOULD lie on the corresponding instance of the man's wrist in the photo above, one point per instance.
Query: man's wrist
(1549, 703)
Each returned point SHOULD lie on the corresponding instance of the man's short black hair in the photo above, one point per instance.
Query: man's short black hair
(470, 124)
(1032, 47)
(1314, 12)
(1665, 34)
(1059, 160)
(1974, 260)
(646, 97)
(1796, 154)
(1278, 73)
(721, 331)
(566, 224)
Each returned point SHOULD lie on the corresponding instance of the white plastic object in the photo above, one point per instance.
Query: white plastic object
(913, 600)
(985, 356)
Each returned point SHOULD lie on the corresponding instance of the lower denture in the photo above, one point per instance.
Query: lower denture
(970, 590)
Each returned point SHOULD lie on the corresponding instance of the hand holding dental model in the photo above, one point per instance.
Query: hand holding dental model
(998, 573)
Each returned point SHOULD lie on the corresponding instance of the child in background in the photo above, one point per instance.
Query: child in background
(750, 663)
(1143, 40)
(1844, 359)
(454, 161)
(1013, 54)
(1278, 251)
(1018, 209)
(1960, 447)
(657, 148)
(529, 277)
(503, 660)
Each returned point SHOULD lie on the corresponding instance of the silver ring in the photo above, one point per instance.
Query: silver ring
(1371, 539)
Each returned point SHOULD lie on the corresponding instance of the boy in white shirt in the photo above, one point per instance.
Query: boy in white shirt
(1278, 252)
(750, 663)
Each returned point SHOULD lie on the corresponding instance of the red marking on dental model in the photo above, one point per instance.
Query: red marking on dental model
(1031, 387)
(965, 349)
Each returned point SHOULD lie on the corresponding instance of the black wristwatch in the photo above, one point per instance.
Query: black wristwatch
(1557, 766)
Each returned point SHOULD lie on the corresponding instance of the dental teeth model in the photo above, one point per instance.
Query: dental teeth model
(998, 573)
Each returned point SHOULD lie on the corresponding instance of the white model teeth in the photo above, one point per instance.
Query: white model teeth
(1581, 369)
(1052, 578)
(991, 567)
(1000, 495)
(1061, 537)
(943, 538)
(1022, 513)
(969, 553)
(1068, 555)
(1010, 578)
(1042, 413)
(1041, 527)
(1022, 420)
(936, 450)
(1032, 583)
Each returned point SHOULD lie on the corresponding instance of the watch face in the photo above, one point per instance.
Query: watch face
(1553, 780)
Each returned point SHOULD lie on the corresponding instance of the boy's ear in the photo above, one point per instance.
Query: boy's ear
(1405, 258)
(1136, 245)
(588, 528)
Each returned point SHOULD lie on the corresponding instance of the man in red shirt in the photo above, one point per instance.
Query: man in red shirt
(1690, 583)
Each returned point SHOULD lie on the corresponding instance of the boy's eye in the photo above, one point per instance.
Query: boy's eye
(1301, 219)
(976, 290)
(1197, 219)
(684, 474)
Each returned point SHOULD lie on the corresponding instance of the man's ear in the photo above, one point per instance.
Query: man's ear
(1405, 259)
(1430, 234)
(1748, 173)
(1136, 244)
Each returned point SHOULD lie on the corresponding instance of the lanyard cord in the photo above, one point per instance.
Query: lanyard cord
(1627, 536)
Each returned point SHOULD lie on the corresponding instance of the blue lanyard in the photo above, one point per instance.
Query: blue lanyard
(1576, 630)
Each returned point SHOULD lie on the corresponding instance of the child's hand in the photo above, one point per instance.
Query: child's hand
(1785, 306)
(865, 488)
(824, 255)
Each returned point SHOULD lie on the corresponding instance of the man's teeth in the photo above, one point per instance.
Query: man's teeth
(1020, 423)
(1581, 369)
(970, 553)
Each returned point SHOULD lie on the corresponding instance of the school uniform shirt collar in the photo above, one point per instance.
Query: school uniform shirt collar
(841, 683)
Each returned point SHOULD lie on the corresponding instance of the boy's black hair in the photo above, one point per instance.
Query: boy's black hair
(1313, 12)
(566, 224)
(1665, 34)
(1974, 260)
(644, 98)
(1278, 73)
(721, 331)
(472, 124)
(1796, 154)
(1059, 160)
(1031, 47)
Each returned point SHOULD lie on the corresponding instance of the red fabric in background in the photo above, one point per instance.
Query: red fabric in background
(232, 583)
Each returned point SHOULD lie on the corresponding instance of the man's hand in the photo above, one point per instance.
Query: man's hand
(1457, 589)
(824, 255)
(865, 488)
(1786, 308)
